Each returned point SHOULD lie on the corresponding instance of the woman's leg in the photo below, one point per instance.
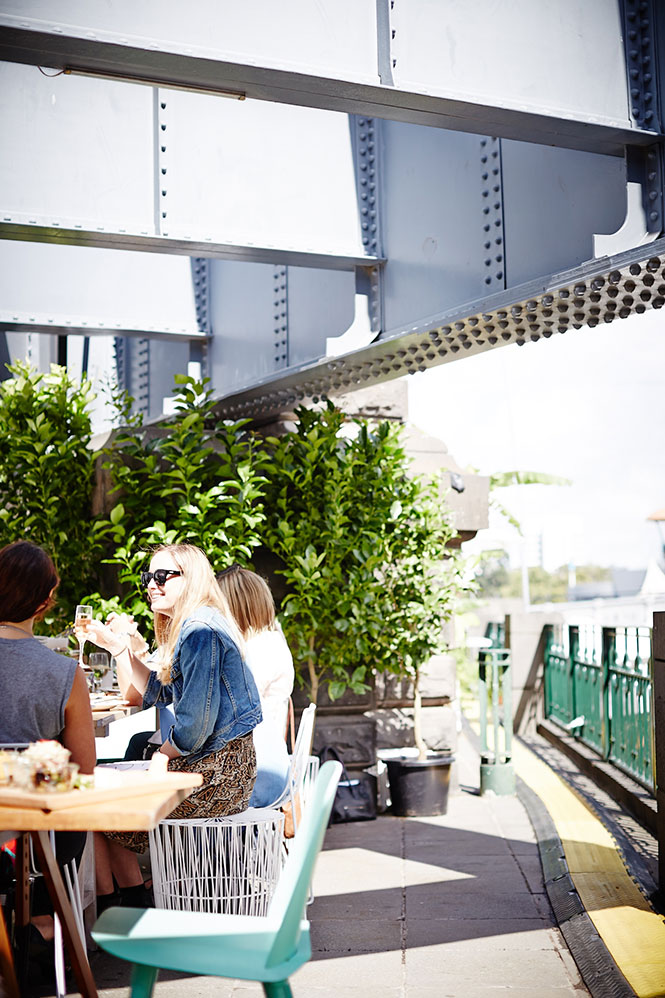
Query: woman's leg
(114, 864)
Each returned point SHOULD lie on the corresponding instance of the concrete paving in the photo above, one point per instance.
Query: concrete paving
(448, 907)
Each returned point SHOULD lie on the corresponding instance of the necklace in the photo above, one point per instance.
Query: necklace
(13, 627)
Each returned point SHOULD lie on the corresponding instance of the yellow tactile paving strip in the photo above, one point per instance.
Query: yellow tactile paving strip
(633, 933)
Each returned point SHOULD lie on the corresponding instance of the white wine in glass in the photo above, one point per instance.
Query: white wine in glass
(81, 618)
(100, 663)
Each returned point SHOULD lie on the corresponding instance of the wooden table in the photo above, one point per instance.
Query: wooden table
(158, 797)
(103, 717)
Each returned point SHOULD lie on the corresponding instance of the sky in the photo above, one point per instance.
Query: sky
(588, 406)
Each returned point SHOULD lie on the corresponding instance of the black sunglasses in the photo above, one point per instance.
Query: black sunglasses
(160, 576)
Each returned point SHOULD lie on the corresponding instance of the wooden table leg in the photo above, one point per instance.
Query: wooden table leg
(22, 906)
(7, 972)
(56, 888)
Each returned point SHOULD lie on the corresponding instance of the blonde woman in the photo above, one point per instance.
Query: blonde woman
(269, 659)
(201, 673)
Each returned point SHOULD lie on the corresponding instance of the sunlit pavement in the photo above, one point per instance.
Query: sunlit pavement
(452, 907)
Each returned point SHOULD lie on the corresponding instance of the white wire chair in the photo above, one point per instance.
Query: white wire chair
(229, 865)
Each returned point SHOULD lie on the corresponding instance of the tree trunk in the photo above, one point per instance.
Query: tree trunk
(417, 722)
(313, 675)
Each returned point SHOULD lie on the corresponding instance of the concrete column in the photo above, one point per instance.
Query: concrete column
(659, 728)
(524, 637)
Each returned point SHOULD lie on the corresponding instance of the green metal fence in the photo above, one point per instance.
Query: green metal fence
(598, 686)
(496, 633)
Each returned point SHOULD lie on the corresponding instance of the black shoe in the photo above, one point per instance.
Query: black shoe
(137, 897)
(105, 901)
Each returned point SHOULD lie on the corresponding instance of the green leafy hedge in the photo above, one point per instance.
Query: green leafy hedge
(46, 475)
(361, 544)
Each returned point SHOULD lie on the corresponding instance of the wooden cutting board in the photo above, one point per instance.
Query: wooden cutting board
(110, 784)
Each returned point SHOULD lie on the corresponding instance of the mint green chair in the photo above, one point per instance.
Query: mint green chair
(267, 949)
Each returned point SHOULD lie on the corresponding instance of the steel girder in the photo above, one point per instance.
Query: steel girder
(563, 73)
(598, 292)
(116, 166)
(454, 241)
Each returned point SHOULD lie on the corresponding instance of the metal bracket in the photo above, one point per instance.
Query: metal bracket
(639, 30)
(281, 317)
(160, 116)
(366, 136)
(201, 281)
(492, 208)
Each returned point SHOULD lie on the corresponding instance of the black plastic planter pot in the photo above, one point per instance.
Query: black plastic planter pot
(419, 787)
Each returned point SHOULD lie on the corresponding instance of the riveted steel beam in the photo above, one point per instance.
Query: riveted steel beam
(60, 326)
(41, 232)
(378, 83)
(597, 292)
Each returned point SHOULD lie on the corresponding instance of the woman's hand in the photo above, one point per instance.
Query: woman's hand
(125, 625)
(105, 637)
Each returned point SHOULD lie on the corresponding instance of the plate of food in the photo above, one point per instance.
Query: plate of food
(42, 776)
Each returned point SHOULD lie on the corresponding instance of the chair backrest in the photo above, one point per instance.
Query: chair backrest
(288, 903)
(305, 733)
(300, 760)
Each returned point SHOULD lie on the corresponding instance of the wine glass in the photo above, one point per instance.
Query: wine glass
(82, 616)
(100, 663)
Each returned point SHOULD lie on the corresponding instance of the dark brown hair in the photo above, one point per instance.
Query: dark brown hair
(27, 576)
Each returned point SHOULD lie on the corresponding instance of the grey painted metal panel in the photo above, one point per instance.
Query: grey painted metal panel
(432, 220)
(567, 104)
(267, 319)
(320, 305)
(75, 288)
(298, 33)
(166, 360)
(563, 58)
(259, 175)
(554, 201)
(76, 150)
(600, 291)
(138, 169)
(241, 311)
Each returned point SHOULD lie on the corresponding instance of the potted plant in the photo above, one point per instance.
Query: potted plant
(423, 580)
(363, 551)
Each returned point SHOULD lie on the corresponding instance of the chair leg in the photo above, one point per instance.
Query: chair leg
(143, 980)
(277, 989)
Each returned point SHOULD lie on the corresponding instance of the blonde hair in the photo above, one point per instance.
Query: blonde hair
(249, 599)
(200, 589)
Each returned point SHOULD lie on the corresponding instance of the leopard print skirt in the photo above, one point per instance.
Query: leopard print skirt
(228, 780)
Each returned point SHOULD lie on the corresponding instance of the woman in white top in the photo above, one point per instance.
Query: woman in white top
(269, 660)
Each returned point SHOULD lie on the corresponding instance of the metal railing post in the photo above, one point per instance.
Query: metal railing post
(658, 646)
(608, 648)
(497, 774)
(573, 648)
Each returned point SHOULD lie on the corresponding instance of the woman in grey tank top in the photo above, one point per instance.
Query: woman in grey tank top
(43, 695)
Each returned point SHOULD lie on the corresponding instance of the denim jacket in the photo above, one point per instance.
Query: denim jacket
(213, 693)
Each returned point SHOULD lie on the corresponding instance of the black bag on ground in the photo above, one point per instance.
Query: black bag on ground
(354, 800)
